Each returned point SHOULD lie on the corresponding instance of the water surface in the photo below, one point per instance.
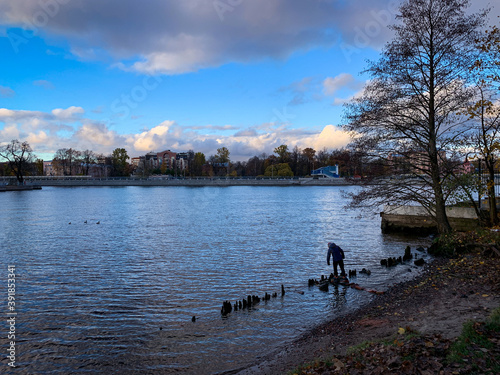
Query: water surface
(119, 296)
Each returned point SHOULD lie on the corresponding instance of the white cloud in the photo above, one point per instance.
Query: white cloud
(343, 81)
(6, 92)
(68, 113)
(9, 132)
(152, 139)
(65, 128)
(91, 134)
(37, 138)
(333, 84)
(8, 115)
(344, 87)
(330, 138)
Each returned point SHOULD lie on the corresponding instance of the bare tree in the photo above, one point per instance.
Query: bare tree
(485, 111)
(19, 156)
(408, 112)
(88, 158)
(67, 161)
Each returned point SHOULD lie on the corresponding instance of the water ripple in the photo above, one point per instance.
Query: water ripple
(118, 297)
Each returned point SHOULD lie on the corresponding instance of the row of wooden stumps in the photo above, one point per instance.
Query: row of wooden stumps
(354, 273)
(324, 283)
(351, 273)
(312, 282)
(246, 303)
(390, 262)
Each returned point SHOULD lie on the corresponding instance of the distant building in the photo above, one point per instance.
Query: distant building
(166, 159)
(135, 161)
(467, 167)
(151, 160)
(48, 169)
(182, 160)
(332, 171)
(412, 162)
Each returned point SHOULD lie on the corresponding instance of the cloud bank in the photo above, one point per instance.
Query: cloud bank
(173, 37)
(68, 127)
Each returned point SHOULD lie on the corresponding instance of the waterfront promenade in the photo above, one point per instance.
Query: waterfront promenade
(172, 181)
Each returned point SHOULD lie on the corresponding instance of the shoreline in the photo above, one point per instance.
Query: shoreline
(438, 301)
(192, 182)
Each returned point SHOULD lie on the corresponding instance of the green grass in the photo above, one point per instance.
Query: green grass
(473, 343)
(358, 348)
(493, 323)
(311, 365)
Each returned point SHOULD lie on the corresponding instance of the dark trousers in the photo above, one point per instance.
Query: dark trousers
(341, 264)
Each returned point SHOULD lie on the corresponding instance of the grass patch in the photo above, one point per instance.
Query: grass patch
(493, 323)
(475, 351)
(358, 348)
(474, 346)
(314, 365)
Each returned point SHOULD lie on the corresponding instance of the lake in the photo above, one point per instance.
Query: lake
(108, 279)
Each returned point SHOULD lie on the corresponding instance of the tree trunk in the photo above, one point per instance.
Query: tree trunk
(442, 222)
(492, 201)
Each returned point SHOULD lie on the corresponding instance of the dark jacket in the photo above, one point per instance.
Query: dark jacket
(336, 252)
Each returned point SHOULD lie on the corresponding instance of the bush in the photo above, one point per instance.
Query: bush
(452, 244)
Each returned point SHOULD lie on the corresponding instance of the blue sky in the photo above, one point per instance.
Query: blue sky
(192, 74)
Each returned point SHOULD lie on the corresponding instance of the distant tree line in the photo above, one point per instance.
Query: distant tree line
(71, 162)
(295, 162)
(282, 163)
(21, 161)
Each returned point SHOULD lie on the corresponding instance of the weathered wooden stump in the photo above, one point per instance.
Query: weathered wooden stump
(226, 308)
(408, 254)
(324, 286)
(419, 262)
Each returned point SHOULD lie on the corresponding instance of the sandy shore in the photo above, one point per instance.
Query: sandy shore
(439, 301)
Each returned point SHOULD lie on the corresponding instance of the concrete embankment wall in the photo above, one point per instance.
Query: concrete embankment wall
(416, 219)
(185, 182)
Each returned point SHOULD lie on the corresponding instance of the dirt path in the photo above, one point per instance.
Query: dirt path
(439, 301)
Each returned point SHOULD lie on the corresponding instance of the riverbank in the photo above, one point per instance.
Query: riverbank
(446, 295)
(19, 187)
(180, 181)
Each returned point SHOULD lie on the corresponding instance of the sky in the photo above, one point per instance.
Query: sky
(198, 75)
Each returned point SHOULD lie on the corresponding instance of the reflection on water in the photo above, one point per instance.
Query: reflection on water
(117, 294)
